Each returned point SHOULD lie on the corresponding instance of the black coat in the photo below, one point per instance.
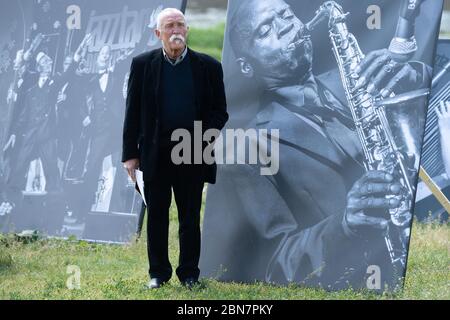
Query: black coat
(142, 116)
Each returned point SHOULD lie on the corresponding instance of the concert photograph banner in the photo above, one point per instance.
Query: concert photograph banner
(318, 164)
(433, 190)
(64, 69)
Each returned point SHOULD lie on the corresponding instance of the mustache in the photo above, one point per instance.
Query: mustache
(177, 37)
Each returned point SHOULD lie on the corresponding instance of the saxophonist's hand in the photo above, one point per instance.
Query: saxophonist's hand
(381, 73)
(369, 194)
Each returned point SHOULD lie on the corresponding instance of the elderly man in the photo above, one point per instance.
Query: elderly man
(321, 219)
(169, 89)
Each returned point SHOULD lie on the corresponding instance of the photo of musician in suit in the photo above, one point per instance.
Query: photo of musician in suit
(70, 114)
(105, 110)
(443, 113)
(21, 83)
(433, 192)
(47, 21)
(76, 148)
(433, 189)
(322, 220)
(32, 131)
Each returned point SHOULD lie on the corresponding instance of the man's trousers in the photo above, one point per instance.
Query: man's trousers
(187, 184)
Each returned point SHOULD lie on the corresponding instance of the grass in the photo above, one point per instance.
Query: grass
(209, 41)
(38, 270)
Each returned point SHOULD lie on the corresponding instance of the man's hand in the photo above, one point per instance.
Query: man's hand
(125, 54)
(12, 96)
(27, 55)
(34, 45)
(5, 208)
(19, 59)
(56, 24)
(11, 142)
(443, 113)
(369, 193)
(82, 48)
(381, 73)
(131, 166)
(61, 97)
(86, 121)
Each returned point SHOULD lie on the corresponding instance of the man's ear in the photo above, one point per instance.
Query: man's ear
(158, 33)
(245, 67)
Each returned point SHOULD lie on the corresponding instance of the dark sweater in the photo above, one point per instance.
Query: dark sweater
(178, 100)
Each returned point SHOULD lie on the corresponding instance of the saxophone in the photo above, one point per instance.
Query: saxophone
(380, 149)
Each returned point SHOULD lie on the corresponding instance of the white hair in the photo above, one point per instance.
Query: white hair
(165, 13)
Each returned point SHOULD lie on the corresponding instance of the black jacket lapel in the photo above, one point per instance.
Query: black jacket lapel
(197, 76)
(155, 74)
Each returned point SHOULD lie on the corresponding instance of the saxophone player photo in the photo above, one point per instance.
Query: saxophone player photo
(349, 101)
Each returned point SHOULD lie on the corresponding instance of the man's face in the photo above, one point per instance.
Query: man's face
(67, 62)
(18, 61)
(173, 32)
(46, 6)
(277, 47)
(45, 65)
(103, 57)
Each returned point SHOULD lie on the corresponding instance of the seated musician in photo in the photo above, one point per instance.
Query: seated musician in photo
(443, 113)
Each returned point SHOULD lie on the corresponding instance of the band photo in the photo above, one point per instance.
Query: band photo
(64, 82)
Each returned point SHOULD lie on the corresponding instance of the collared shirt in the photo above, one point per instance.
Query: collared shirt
(303, 102)
(103, 81)
(178, 60)
(42, 81)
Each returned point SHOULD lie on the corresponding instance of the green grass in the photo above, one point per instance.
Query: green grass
(209, 41)
(38, 270)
